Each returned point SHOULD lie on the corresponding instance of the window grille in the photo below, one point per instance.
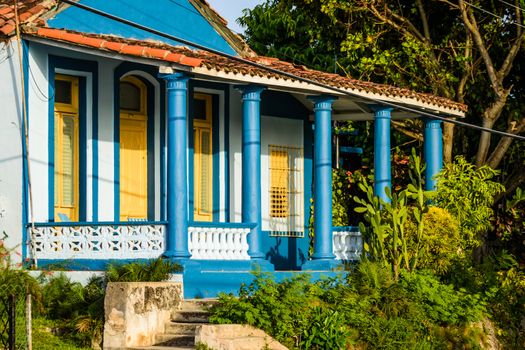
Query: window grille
(286, 191)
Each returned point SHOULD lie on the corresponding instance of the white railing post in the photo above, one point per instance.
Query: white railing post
(347, 243)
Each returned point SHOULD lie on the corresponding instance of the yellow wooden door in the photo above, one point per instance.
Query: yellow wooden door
(133, 150)
(66, 127)
(203, 158)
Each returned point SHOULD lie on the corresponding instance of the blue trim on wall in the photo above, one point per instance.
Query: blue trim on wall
(215, 146)
(216, 159)
(120, 71)
(227, 217)
(191, 153)
(58, 62)
(82, 136)
(162, 158)
(84, 264)
(100, 223)
(25, 182)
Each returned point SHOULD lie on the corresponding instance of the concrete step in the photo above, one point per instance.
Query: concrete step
(175, 340)
(190, 316)
(198, 304)
(180, 328)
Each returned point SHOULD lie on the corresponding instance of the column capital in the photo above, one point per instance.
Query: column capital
(432, 123)
(175, 80)
(381, 111)
(322, 102)
(250, 92)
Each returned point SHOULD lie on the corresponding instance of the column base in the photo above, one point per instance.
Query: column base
(322, 265)
(176, 255)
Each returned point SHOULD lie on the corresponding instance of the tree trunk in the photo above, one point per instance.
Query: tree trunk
(484, 142)
(504, 144)
(448, 141)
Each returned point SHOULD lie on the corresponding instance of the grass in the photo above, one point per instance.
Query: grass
(44, 337)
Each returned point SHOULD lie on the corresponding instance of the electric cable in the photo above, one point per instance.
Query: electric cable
(286, 74)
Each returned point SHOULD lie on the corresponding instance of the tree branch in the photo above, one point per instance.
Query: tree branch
(504, 144)
(424, 19)
(470, 22)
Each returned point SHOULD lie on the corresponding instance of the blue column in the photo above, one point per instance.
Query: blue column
(177, 196)
(323, 257)
(382, 167)
(251, 166)
(433, 145)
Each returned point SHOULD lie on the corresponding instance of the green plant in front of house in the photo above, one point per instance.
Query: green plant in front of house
(367, 308)
(467, 192)
(79, 310)
(385, 236)
(153, 271)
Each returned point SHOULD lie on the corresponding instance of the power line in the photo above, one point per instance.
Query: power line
(286, 74)
(493, 14)
(511, 5)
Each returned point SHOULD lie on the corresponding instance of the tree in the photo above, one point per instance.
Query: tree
(470, 52)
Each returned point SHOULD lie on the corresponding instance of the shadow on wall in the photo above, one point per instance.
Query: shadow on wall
(292, 260)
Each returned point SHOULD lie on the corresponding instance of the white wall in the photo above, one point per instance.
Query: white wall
(274, 131)
(10, 147)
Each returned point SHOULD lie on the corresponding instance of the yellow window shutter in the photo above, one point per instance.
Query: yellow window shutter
(68, 160)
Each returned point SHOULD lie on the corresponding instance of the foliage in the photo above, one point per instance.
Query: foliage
(47, 335)
(153, 271)
(440, 239)
(468, 193)
(501, 282)
(367, 308)
(385, 236)
(80, 309)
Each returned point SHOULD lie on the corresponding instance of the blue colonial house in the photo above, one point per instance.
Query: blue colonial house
(119, 144)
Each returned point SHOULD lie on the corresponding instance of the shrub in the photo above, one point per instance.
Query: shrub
(440, 241)
(366, 308)
(157, 270)
(468, 193)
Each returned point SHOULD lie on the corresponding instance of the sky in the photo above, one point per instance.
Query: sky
(232, 9)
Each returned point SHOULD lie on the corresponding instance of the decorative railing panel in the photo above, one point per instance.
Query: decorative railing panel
(98, 241)
(347, 243)
(216, 241)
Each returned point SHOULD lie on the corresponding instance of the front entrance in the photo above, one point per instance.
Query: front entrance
(133, 150)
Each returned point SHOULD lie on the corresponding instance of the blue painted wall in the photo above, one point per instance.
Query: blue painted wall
(175, 17)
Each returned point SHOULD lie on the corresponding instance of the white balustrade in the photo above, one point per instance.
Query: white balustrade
(97, 241)
(218, 243)
(348, 244)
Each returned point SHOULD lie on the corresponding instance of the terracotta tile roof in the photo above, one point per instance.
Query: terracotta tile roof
(33, 12)
(28, 11)
(203, 59)
(125, 47)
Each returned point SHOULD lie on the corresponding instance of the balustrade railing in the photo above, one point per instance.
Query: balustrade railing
(219, 241)
(347, 243)
(110, 240)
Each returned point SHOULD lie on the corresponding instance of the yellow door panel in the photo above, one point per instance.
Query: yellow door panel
(133, 169)
(203, 159)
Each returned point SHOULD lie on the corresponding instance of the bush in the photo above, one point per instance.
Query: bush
(80, 309)
(157, 270)
(440, 242)
(468, 193)
(367, 308)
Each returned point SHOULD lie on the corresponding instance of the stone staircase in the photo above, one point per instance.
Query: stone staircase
(179, 334)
